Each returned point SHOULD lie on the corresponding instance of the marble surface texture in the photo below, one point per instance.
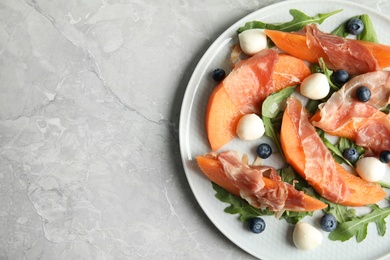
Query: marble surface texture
(90, 100)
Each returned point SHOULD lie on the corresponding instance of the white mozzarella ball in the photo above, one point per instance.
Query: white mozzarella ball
(315, 86)
(370, 169)
(306, 237)
(250, 127)
(252, 41)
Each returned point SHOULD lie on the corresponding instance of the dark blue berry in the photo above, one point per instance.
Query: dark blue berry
(363, 94)
(328, 222)
(355, 26)
(384, 156)
(340, 77)
(256, 225)
(351, 154)
(264, 150)
(218, 74)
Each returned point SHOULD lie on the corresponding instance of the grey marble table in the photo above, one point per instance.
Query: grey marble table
(90, 100)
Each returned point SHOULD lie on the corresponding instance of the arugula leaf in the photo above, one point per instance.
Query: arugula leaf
(271, 105)
(368, 33)
(337, 149)
(357, 226)
(341, 213)
(312, 106)
(271, 133)
(328, 73)
(299, 21)
(345, 143)
(386, 109)
(384, 184)
(272, 116)
(337, 154)
(294, 217)
(342, 29)
(289, 175)
(238, 205)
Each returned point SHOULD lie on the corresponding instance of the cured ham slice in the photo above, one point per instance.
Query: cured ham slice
(379, 84)
(251, 81)
(319, 167)
(296, 201)
(343, 115)
(339, 52)
(252, 187)
(311, 44)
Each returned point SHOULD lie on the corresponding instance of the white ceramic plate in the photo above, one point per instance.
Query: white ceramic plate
(276, 241)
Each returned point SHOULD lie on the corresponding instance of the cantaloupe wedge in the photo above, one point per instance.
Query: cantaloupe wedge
(222, 116)
(288, 71)
(361, 192)
(223, 111)
(213, 169)
(295, 45)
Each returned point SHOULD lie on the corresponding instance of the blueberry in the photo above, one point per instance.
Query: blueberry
(351, 154)
(256, 225)
(340, 77)
(355, 26)
(218, 74)
(363, 94)
(328, 222)
(264, 150)
(384, 156)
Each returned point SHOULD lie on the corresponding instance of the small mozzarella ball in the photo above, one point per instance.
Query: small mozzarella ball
(306, 237)
(370, 169)
(250, 127)
(315, 86)
(252, 41)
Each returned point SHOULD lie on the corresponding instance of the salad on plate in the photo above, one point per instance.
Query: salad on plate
(288, 125)
(319, 103)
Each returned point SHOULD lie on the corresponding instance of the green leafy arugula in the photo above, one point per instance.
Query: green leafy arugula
(238, 205)
(272, 133)
(368, 33)
(312, 106)
(289, 175)
(357, 226)
(299, 21)
(386, 109)
(271, 105)
(341, 213)
(271, 114)
(338, 148)
(345, 143)
(328, 73)
(342, 29)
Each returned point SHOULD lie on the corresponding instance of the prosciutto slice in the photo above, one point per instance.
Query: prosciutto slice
(251, 81)
(320, 167)
(252, 187)
(340, 52)
(343, 115)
